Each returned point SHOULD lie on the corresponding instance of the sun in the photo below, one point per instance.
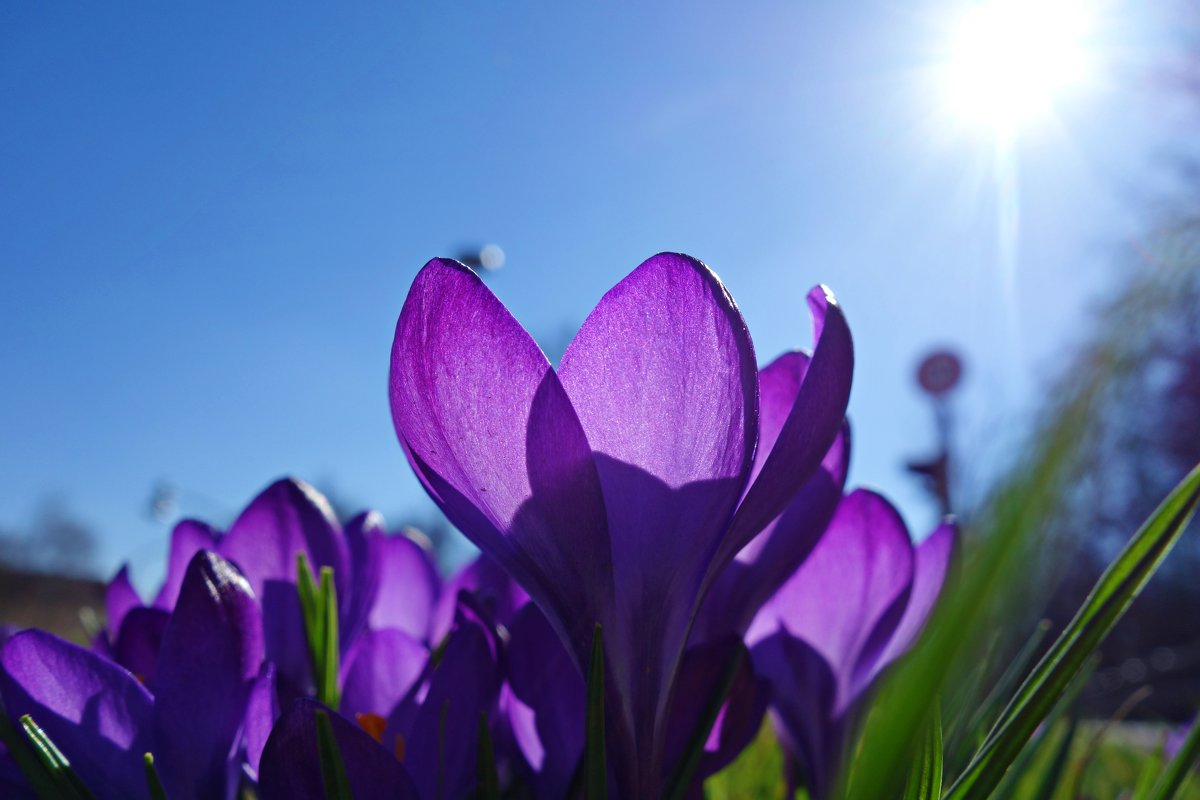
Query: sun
(1011, 59)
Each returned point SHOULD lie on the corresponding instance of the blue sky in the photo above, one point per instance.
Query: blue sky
(210, 217)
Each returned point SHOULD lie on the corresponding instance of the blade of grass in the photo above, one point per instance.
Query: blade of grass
(1180, 768)
(31, 767)
(1104, 606)
(925, 779)
(153, 782)
(333, 769)
(595, 763)
(489, 780)
(68, 784)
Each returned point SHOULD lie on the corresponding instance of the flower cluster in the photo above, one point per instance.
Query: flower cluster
(657, 488)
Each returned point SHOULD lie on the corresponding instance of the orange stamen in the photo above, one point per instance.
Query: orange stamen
(399, 748)
(373, 724)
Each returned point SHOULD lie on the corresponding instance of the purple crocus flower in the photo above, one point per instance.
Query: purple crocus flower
(384, 583)
(855, 605)
(193, 717)
(615, 489)
(421, 735)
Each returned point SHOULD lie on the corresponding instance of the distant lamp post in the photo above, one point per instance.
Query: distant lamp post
(488, 258)
(938, 374)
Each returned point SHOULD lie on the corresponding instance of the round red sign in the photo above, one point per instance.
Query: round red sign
(939, 372)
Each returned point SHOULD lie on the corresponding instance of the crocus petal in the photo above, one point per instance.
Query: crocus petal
(699, 680)
(379, 670)
(752, 578)
(493, 437)
(262, 709)
(803, 694)
(812, 423)
(929, 573)
(188, 538)
(848, 596)
(548, 722)
(119, 598)
(211, 656)
(408, 587)
(493, 588)
(95, 711)
(362, 544)
(139, 640)
(291, 762)
(443, 735)
(287, 518)
(663, 377)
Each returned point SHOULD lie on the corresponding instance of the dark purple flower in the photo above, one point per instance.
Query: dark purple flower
(615, 488)
(104, 720)
(855, 605)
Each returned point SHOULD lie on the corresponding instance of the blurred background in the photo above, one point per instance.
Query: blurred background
(210, 216)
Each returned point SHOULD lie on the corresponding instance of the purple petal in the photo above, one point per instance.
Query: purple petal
(803, 696)
(698, 682)
(929, 573)
(119, 598)
(363, 533)
(493, 588)
(95, 711)
(379, 670)
(812, 423)
(262, 709)
(287, 518)
(291, 762)
(408, 587)
(442, 735)
(848, 596)
(493, 438)
(211, 656)
(188, 538)
(765, 564)
(548, 718)
(139, 641)
(663, 377)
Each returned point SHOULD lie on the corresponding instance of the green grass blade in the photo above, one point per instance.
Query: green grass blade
(925, 779)
(42, 782)
(595, 760)
(681, 778)
(1177, 772)
(153, 782)
(1148, 775)
(489, 780)
(1104, 606)
(329, 650)
(333, 769)
(68, 785)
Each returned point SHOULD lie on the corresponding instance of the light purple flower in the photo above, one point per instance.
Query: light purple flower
(615, 489)
(193, 717)
(855, 605)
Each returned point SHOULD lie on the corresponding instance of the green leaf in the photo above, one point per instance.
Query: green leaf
(681, 778)
(153, 782)
(318, 607)
(595, 762)
(489, 780)
(333, 769)
(1104, 606)
(67, 784)
(42, 782)
(925, 779)
(1151, 768)
(1177, 772)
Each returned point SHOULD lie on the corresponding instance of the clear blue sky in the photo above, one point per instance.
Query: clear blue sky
(210, 215)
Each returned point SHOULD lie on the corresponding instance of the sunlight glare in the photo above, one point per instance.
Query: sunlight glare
(1011, 58)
